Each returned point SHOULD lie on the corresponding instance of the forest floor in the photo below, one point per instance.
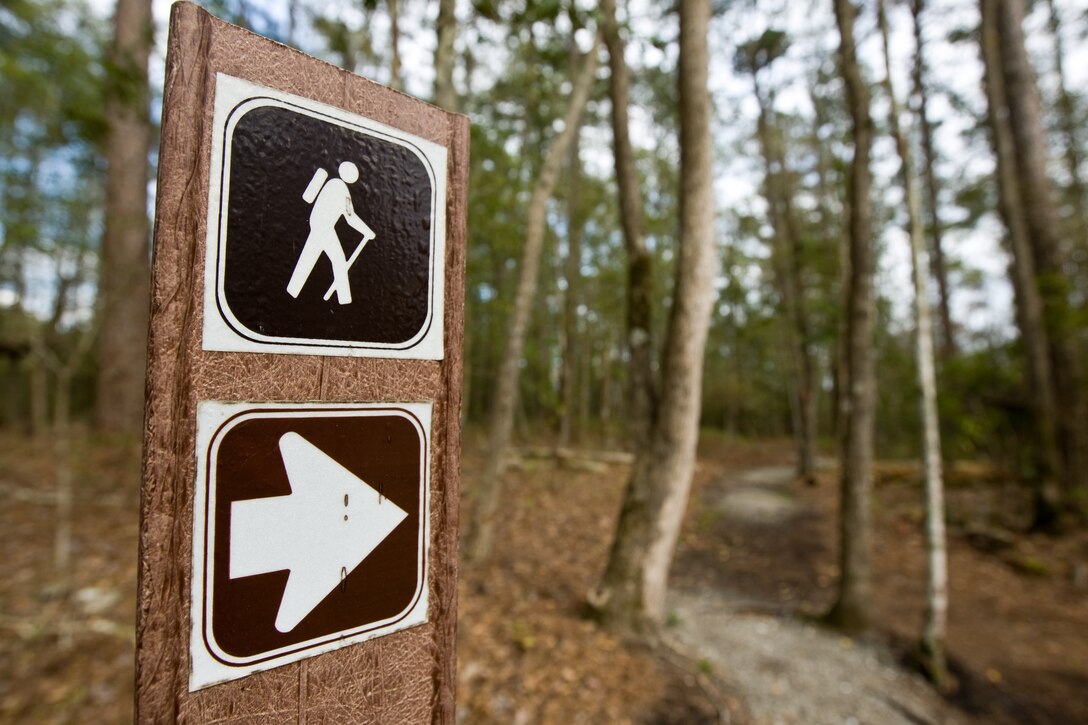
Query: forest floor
(760, 547)
(755, 565)
(756, 557)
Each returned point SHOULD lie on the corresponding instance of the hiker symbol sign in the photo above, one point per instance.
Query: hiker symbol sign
(326, 231)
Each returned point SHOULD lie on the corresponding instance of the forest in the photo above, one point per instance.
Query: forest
(775, 350)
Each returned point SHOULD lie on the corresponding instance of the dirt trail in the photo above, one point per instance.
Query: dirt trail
(788, 670)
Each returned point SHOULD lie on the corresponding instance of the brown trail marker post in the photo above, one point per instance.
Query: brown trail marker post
(298, 543)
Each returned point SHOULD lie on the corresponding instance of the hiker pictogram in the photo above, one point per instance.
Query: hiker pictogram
(326, 231)
(331, 202)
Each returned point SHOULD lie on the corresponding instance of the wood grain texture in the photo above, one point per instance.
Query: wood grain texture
(407, 677)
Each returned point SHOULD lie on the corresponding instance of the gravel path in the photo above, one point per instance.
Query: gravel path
(790, 671)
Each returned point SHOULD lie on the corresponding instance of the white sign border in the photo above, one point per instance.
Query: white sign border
(235, 97)
(214, 420)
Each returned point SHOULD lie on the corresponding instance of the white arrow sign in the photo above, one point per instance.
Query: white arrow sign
(320, 532)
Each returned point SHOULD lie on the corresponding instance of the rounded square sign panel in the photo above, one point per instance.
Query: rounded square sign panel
(326, 230)
(309, 531)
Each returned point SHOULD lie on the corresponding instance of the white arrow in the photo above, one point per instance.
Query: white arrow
(320, 532)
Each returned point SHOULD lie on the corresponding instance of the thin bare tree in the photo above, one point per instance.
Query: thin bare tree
(938, 263)
(1068, 125)
(572, 265)
(445, 95)
(393, 6)
(480, 535)
(932, 644)
(787, 247)
(640, 279)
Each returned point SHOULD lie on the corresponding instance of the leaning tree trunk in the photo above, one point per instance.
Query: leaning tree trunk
(480, 535)
(124, 268)
(938, 264)
(853, 608)
(643, 396)
(1024, 108)
(631, 594)
(932, 642)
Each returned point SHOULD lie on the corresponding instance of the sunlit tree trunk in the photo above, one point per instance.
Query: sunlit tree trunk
(938, 264)
(445, 95)
(480, 536)
(124, 267)
(853, 608)
(640, 287)
(631, 594)
(932, 643)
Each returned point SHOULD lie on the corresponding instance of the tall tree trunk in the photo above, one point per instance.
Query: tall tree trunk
(1049, 250)
(394, 43)
(124, 271)
(1029, 304)
(938, 264)
(1051, 254)
(631, 594)
(932, 644)
(480, 536)
(853, 608)
(787, 254)
(445, 96)
(640, 279)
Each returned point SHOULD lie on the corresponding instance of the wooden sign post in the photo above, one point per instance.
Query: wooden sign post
(298, 542)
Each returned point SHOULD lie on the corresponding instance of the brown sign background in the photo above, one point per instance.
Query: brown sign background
(406, 677)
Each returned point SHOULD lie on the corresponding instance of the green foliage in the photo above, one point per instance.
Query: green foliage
(51, 74)
(758, 53)
(983, 406)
